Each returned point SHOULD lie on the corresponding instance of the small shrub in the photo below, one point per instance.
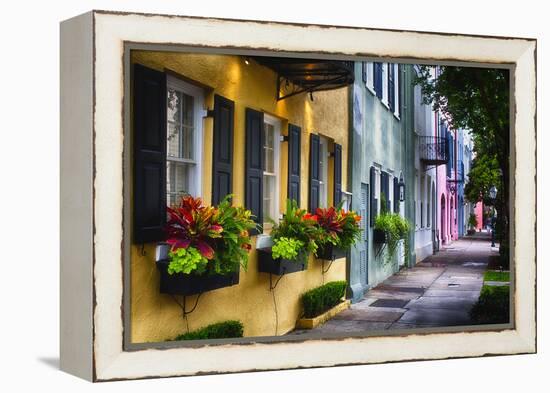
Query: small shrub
(318, 300)
(493, 305)
(225, 329)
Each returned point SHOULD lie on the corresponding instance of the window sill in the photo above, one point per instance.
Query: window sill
(385, 104)
(396, 116)
(263, 240)
(370, 89)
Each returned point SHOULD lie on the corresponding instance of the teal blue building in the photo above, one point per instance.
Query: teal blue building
(381, 158)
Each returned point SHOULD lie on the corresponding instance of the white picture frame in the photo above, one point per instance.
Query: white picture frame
(93, 49)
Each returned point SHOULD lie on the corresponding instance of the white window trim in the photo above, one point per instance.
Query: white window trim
(276, 123)
(396, 91)
(198, 94)
(378, 188)
(390, 189)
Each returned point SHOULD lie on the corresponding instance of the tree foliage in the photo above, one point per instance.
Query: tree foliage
(484, 173)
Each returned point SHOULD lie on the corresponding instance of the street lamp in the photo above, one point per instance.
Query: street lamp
(493, 196)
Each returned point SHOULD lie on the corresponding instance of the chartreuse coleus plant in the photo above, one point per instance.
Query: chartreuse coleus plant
(297, 232)
(207, 239)
(338, 227)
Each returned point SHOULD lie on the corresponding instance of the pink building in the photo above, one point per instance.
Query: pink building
(448, 207)
(478, 211)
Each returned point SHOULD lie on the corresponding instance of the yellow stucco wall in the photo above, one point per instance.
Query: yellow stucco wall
(156, 317)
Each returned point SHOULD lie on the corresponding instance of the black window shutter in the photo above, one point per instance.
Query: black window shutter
(294, 157)
(337, 174)
(222, 160)
(364, 71)
(149, 123)
(387, 188)
(378, 79)
(391, 87)
(254, 164)
(373, 200)
(395, 195)
(314, 172)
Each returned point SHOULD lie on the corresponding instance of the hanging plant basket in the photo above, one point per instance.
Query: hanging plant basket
(280, 266)
(378, 236)
(192, 284)
(330, 252)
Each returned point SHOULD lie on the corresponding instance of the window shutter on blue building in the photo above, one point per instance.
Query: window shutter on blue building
(314, 172)
(395, 195)
(254, 165)
(294, 158)
(378, 79)
(149, 123)
(222, 160)
(391, 87)
(337, 174)
(364, 71)
(373, 200)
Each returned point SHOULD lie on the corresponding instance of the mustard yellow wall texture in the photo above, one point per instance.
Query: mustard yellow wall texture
(156, 317)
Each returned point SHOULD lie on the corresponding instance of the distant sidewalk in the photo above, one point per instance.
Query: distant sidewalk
(437, 292)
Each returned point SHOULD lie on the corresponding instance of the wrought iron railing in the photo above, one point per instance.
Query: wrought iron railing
(433, 150)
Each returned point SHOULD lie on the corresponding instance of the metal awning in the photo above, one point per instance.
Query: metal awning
(296, 76)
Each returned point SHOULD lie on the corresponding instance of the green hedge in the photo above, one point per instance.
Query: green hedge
(493, 305)
(225, 329)
(318, 300)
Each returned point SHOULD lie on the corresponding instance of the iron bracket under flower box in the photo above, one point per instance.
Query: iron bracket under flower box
(192, 284)
(378, 236)
(279, 266)
(331, 253)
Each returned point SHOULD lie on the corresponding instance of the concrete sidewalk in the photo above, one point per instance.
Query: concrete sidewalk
(438, 291)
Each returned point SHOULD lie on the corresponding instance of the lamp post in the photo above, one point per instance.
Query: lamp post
(493, 196)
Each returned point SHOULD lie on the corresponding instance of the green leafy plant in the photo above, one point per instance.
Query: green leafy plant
(318, 300)
(338, 227)
(396, 228)
(286, 247)
(225, 329)
(298, 225)
(186, 260)
(214, 240)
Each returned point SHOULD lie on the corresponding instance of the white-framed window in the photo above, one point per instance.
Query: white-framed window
(370, 76)
(323, 171)
(378, 188)
(272, 132)
(396, 90)
(183, 139)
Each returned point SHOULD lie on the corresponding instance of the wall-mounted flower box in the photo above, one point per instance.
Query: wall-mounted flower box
(280, 266)
(378, 236)
(192, 284)
(330, 252)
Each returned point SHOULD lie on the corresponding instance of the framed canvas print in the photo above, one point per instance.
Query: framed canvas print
(244, 195)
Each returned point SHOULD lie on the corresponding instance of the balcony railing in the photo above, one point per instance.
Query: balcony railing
(433, 150)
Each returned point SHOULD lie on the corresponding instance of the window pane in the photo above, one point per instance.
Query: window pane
(178, 181)
(188, 104)
(187, 143)
(269, 160)
(173, 140)
(174, 105)
(269, 198)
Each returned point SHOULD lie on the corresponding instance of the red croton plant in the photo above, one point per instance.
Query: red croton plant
(340, 228)
(206, 238)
